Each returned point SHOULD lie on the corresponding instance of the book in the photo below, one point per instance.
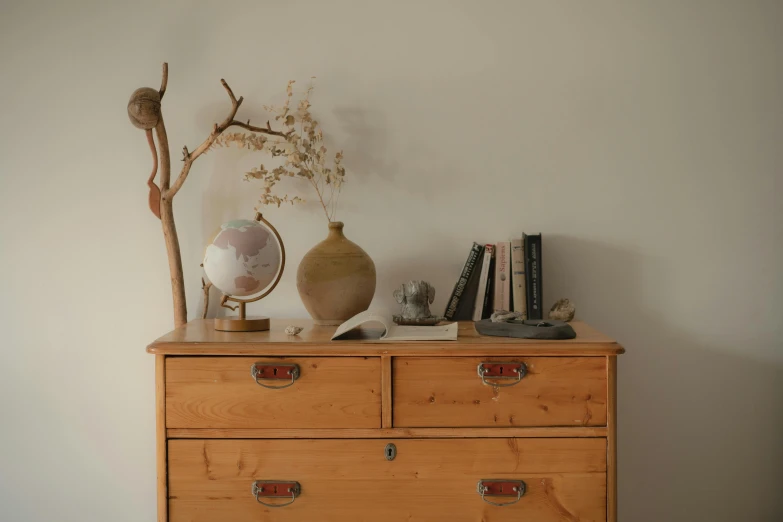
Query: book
(483, 284)
(459, 288)
(518, 286)
(489, 298)
(535, 290)
(502, 300)
(468, 300)
(392, 331)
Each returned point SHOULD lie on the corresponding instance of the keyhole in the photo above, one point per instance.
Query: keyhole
(274, 371)
(390, 451)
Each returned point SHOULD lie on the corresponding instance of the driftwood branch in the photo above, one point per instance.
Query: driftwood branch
(145, 113)
(224, 301)
(154, 195)
(165, 80)
(189, 157)
(205, 288)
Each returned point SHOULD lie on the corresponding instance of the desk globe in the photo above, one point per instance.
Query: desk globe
(244, 258)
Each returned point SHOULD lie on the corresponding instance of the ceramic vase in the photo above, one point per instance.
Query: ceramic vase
(336, 278)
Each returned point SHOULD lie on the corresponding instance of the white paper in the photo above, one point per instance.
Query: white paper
(395, 332)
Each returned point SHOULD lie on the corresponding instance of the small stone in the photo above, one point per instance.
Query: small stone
(562, 310)
(502, 316)
(293, 330)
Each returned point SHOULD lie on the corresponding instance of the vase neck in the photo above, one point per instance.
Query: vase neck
(335, 230)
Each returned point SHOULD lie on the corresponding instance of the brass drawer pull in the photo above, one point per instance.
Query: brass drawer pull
(276, 489)
(500, 488)
(274, 372)
(501, 370)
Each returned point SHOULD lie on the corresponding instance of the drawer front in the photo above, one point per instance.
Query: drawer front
(352, 480)
(221, 392)
(449, 392)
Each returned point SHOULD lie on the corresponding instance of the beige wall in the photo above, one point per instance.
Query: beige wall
(644, 139)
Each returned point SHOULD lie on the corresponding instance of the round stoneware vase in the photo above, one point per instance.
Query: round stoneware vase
(336, 278)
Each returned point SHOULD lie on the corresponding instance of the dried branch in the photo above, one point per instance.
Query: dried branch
(224, 300)
(165, 80)
(154, 196)
(205, 288)
(189, 157)
(263, 130)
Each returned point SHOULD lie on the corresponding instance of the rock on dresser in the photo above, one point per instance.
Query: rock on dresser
(262, 426)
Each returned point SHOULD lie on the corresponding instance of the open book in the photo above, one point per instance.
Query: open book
(395, 332)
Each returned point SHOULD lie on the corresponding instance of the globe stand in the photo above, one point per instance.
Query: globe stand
(242, 323)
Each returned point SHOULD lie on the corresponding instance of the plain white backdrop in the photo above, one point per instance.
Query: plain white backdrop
(644, 139)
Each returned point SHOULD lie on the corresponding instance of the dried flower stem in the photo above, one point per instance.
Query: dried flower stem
(302, 150)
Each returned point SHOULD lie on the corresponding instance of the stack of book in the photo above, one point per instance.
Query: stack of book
(503, 276)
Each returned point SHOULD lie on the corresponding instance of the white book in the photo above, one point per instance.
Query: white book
(518, 290)
(395, 332)
(502, 299)
(483, 286)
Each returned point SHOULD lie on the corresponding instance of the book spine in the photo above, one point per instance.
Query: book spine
(489, 298)
(518, 285)
(481, 295)
(459, 288)
(533, 274)
(465, 307)
(502, 276)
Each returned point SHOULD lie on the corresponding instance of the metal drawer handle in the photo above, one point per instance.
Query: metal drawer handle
(274, 372)
(276, 489)
(502, 370)
(501, 488)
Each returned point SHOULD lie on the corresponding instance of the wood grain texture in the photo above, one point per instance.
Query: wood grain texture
(386, 389)
(219, 392)
(611, 452)
(160, 437)
(447, 392)
(403, 433)
(199, 337)
(429, 480)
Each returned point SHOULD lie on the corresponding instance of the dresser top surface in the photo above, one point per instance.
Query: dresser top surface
(199, 337)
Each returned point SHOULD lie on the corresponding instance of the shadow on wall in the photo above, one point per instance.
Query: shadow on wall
(365, 143)
(694, 419)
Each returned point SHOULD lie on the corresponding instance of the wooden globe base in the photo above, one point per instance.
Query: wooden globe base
(236, 324)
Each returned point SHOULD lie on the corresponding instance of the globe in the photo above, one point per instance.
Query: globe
(243, 258)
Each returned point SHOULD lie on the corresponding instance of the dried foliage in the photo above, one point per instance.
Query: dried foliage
(301, 150)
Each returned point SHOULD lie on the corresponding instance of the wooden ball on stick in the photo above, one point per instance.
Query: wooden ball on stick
(144, 108)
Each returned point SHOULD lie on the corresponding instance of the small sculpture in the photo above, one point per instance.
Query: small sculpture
(416, 298)
(562, 310)
(293, 330)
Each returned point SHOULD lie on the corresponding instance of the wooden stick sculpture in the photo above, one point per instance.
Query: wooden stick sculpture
(144, 110)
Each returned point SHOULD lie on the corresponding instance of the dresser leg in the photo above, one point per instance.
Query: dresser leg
(611, 441)
(160, 436)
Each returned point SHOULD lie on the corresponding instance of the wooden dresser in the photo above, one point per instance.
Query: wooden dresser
(268, 427)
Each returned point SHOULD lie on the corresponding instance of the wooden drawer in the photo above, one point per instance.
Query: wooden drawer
(351, 480)
(220, 392)
(449, 392)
